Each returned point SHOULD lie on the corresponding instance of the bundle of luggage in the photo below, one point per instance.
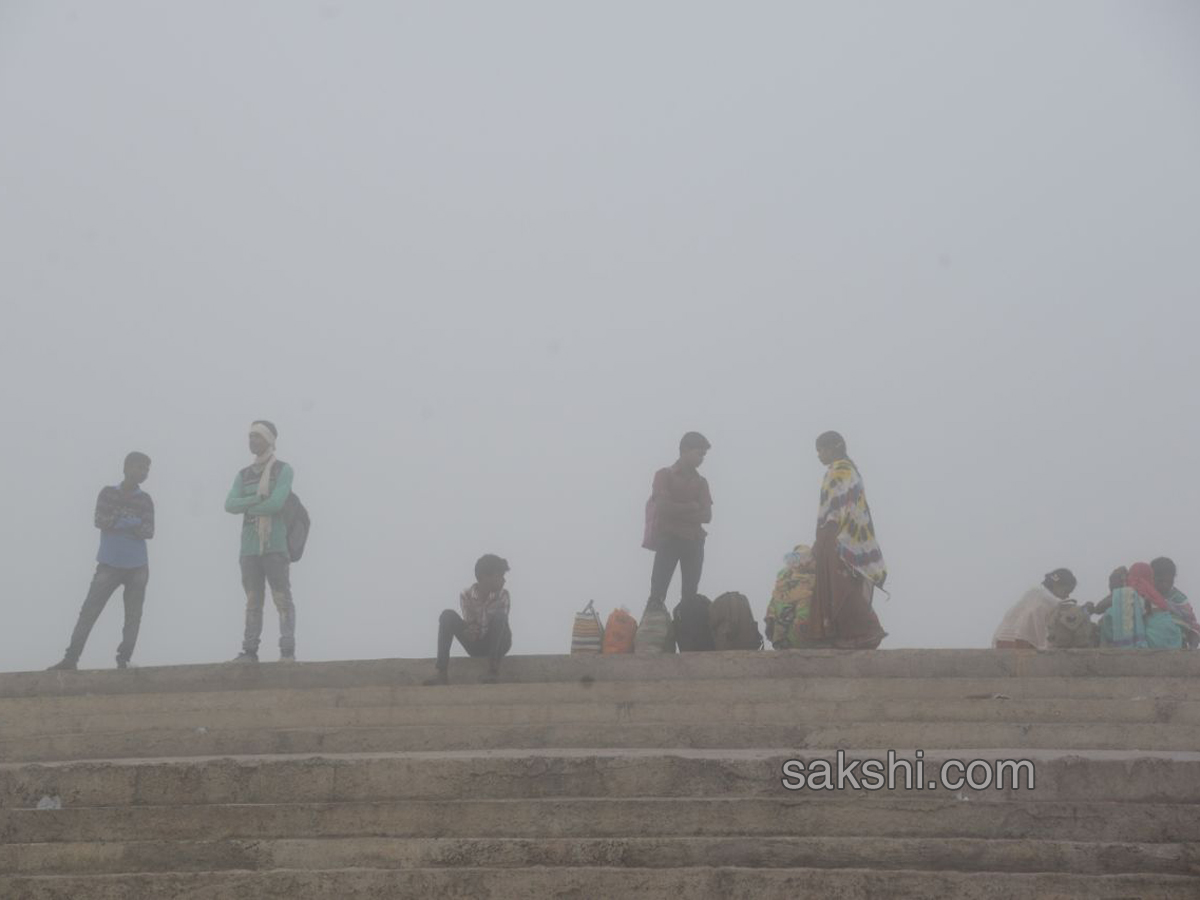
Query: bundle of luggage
(698, 623)
(589, 636)
(1070, 626)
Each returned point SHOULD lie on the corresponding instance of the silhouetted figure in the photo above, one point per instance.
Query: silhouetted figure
(125, 517)
(258, 494)
(680, 505)
(848, 560)
(1177, 601)
(1026, 625)
(482, 628)
(1135, 614)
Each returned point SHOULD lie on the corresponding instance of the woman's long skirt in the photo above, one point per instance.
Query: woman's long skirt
(841, 606)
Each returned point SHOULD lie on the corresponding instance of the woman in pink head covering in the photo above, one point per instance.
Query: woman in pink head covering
(1138, 615)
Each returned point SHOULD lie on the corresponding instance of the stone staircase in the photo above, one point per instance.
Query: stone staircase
(601, 777)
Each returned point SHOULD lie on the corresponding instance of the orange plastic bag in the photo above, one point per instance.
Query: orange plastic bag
(619, 632)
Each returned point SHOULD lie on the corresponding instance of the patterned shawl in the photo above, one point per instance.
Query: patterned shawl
(843, 501)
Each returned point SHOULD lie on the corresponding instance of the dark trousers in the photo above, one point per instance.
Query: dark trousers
(106, 580)
(672, 552)
(496, 641)
(257, 573)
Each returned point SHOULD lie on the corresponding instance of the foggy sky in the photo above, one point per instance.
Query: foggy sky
(484, 263)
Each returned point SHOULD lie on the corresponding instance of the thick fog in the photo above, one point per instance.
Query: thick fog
(483, 264)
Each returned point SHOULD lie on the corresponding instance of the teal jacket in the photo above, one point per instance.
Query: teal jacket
(243, 500)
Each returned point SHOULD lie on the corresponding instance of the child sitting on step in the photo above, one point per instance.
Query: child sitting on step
(482, 628)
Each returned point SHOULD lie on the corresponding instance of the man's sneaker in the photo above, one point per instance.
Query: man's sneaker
(65, 666)
(287, 657)
(440, 678)
(245, 657)
(123, 664)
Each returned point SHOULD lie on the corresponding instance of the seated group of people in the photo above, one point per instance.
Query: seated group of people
(1143, 609)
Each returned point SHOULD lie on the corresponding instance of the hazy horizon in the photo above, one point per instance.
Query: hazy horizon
(483, 265)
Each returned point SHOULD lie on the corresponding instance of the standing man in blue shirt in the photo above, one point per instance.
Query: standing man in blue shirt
(125, 517)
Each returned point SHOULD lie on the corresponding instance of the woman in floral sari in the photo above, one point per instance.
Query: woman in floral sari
(849, 563)
(787, 614)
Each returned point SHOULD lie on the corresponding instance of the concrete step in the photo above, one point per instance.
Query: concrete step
(937, 854)
(347, 779)
(1134, 776)
(807, 815)
(187, 742)
(601, 882)
(683, 707)
(730, 692)
(684, 666)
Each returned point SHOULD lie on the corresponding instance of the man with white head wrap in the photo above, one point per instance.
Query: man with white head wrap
(258, 494)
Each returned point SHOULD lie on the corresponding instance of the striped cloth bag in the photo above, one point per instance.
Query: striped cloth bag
(587, 635)
(656, 631)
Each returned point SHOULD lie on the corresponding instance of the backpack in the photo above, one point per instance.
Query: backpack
(656, 632)
(733, 624)
(620, 633)
(692, 628)
(296, 521)
(1070, 626)
(587, 634)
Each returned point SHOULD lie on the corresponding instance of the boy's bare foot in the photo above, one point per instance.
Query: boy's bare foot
(440, 678)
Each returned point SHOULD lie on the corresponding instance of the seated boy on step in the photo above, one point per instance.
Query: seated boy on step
(482, 628)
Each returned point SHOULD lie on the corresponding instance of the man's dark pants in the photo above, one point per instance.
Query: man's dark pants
(257, 573)
(106, 580)
(672, 552)
(496, 641)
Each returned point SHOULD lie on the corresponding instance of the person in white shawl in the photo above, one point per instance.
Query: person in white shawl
(1026, 626)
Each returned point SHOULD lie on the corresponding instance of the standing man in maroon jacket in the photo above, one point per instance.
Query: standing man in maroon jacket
(680, 504)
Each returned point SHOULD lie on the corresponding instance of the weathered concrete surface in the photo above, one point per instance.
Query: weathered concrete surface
(684, 666)
(883, 692)
(682, 706)
(1142, 777)
(583, 779)
(767, 852)
(603, 884)
(806, 816)
(724, 734)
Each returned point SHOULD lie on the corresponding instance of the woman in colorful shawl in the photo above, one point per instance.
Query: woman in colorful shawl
(1177, 601)
(1026, 626)
(849, 563)
(1136, 614)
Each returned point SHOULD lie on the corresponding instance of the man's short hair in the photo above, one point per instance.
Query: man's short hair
(694, 440)
(1163, 566)
(270, 426)
(490, 564)
(832, 440)
(136, 457)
